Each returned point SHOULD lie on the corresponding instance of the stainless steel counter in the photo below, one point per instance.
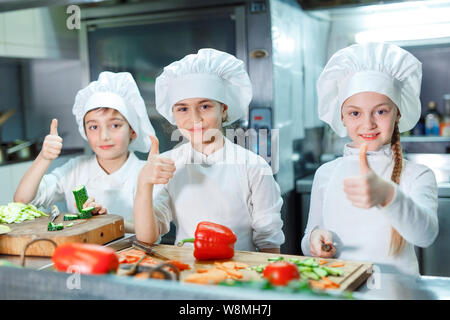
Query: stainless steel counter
(37, 281)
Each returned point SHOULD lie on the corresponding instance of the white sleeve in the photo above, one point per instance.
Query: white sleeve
(414, 214)
(51, 187)
(266, 203)
(162, 208)
(315, 219)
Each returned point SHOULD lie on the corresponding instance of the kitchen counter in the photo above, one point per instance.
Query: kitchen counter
(38, 282)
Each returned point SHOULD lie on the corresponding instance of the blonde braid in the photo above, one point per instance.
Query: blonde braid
(397, 241)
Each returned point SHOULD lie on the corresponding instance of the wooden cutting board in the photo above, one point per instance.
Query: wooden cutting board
(356, 273)
(99, 229)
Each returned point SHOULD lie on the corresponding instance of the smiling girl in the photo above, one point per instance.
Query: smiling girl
(208, 178)
(111, 116)
(371, 204)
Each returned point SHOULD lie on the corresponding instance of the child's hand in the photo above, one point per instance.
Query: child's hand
(317, 239)
(157, 170)
(98, 209)
(368, 189)
(51, 148)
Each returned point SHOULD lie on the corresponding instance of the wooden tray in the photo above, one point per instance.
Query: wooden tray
(356, 273)
(99, 229)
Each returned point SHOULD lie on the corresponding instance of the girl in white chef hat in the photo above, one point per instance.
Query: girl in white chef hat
(372, 203)
(111, 116)
(209, 178)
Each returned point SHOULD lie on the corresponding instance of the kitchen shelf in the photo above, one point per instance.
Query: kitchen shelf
(424, 139)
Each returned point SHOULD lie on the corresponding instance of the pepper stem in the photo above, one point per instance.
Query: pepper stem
(179, 244)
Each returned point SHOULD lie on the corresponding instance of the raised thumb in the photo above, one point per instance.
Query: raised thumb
(155, 146)
(363, 163)
(54, 127)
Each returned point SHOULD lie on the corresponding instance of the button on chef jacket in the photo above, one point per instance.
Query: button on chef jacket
(233, 187)
(114, 191)
(364, 234)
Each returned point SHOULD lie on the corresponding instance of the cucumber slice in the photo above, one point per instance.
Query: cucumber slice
(54, 227)
(334, 271)
(320, 272)
(80, 194)
(310, 275)
(68, 217)
(86, 213)
(69, 225)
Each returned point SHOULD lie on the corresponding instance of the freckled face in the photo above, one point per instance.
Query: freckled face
(370, 118)
(108, 133)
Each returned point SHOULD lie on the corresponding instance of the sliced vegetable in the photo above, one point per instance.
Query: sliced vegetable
(258, 268)
(310, 275)
(330, 284)
(275, 259)
(87, 258)
(304, 268)
(320, 272)
(281, 272)
(86, 213)
(69, 217)
(81, 196)
(310, 262)
(17, 212)
(55, 227)
(336, 264)
(334, 271)
(70, 225)
(322, 262)
(180, 265)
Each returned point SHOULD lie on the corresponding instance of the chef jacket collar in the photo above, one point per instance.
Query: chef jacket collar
(384, 150)
(217, 156)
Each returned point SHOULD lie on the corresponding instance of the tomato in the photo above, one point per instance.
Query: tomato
(281, 272)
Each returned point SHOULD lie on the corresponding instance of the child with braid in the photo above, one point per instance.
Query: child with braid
(371, 204)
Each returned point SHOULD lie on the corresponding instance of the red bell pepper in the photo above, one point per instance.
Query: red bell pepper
(212, 241)
(281, 272)
(85, 258)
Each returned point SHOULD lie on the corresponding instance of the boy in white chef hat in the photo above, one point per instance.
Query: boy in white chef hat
(373, 203)
(111, 116)
(229, 185)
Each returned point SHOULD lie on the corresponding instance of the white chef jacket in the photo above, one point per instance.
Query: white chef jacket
(364, 234)
(114, 191)
(233, 187)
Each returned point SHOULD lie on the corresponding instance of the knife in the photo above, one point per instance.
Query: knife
(54, 213)
(148, 249)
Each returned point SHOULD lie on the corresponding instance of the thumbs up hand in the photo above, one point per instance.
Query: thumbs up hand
(368, 189)
(51, 148)
(157, 170)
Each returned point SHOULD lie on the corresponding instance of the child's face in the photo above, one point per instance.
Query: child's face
(199, 119)
(370, 117)
(108, 133)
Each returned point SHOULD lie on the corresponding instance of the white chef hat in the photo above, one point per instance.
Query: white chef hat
(377, 67)
(209, 74)
(120, 92)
